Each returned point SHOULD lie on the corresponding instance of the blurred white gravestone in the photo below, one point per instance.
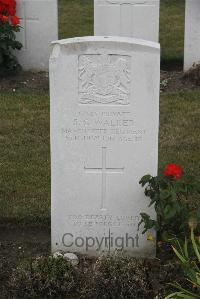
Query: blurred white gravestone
(104, 138)
(131, 18)
(192, 34)
(39, 27)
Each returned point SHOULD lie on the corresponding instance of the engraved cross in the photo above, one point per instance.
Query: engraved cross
(103, 170)
(24, 22)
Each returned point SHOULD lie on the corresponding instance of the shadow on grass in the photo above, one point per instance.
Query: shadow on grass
(171, 64)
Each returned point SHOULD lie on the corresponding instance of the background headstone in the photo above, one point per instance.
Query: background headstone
(39, 22)
(192, 34)
(104, 138)
(131, 18)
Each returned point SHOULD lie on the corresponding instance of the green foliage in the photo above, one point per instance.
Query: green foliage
(114, 276)
(8, 43)
(191, 269)
(46, 278)
(171, 199)
(118, 276)
(164, 84)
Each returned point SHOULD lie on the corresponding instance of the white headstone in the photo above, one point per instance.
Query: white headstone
(39, 22)
(104, 138)
(192, 34)
(131, 18)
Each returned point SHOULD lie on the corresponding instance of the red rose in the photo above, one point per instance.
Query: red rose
(3, 9)
(173, 170)
(15, 20)
(11, 11)
(8, 7)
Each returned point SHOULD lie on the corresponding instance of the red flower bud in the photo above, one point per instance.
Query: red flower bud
(15, 20)
(4, 19)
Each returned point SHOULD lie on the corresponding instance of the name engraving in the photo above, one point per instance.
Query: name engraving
(108, 126)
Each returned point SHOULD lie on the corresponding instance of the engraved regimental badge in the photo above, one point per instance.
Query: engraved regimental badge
(104, 79)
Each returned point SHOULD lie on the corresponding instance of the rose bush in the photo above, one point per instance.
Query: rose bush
(9, 25)
(170, 194)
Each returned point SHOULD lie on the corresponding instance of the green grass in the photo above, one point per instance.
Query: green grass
(180, 130)
(25, 153)
(172, 19)
(25, 158)
(76, 19)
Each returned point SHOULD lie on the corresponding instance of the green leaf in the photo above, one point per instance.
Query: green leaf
(186, 248)
(164, 194)
(147, 221)
(169, 211)
(145, 179)
(181, 257)
(198, 279)
(3, 45)
(184, 293)
(177, 295)
(195, 245)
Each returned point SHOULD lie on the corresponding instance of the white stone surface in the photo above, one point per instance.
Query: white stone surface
(39, 22)
(104, 138)
(57, 254)
(72, 258)
(131, 18)
(192, 34)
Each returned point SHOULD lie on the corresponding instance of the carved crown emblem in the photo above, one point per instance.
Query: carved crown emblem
(104, 79)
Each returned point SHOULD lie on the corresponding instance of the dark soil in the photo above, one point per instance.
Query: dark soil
(170, 81)
(25, 81)
(176, 81)
(17, 244)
